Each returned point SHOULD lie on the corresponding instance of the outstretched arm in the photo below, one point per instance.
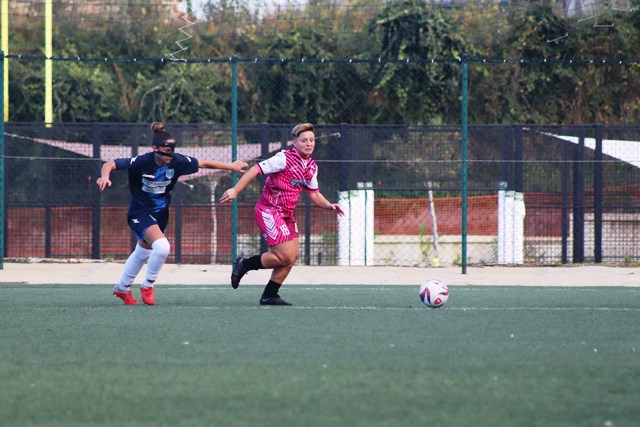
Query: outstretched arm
(319, 200)
(233, 192)
(104, 180)
(237, 166)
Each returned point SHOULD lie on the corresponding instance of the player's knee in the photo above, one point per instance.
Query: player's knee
(288, 259)
(161, 247)
(293, 259)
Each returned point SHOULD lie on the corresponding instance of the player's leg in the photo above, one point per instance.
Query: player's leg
(281, 258)
(160, 249)
(153, 247)
(277, 231)
(132, 267)
(138, 222)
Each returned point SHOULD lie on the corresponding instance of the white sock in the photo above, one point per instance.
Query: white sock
(132, 267)
(159, 254)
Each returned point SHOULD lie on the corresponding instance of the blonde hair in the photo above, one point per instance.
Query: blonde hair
(301, 127)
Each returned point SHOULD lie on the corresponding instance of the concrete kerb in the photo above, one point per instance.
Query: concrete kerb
(108, 273)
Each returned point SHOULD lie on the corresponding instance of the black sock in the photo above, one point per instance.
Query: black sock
(253, 263)
(271, 290)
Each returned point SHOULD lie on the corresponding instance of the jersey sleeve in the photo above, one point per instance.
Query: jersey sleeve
(189, 165)
(313, 183)
(274, 164)
(125, 162)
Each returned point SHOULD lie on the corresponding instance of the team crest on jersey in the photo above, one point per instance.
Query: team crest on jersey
(169, 173)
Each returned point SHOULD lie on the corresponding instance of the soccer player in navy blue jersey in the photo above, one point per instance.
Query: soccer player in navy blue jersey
(152, 176)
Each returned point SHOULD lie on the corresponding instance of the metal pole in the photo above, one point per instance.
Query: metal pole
(2, 228)
(48, 65)
(578, 199)
(95, 194)
(234, 154)
(264, 154)
(4, 18)
(598, 202)
(465, 104)
(564, 227)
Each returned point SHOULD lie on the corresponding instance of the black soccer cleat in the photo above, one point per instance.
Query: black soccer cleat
(238, 272)
(276, 300)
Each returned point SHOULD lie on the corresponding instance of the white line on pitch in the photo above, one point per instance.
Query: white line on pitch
(425, 308)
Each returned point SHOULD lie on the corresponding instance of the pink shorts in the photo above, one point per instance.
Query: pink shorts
(275, 228)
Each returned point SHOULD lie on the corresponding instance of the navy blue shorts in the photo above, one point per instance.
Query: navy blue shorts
(139, 221)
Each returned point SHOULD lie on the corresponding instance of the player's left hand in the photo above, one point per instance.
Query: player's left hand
(228, 196)
(336, 207)
(239, 166)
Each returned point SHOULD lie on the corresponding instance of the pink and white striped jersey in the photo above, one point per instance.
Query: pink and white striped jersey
(288, 173)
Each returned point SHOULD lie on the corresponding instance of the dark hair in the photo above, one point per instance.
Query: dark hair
(301, 127)
(161, 136)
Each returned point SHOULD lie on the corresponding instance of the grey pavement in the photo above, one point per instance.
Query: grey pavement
(107, 273)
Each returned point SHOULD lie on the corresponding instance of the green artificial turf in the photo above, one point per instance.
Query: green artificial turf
(341, 356)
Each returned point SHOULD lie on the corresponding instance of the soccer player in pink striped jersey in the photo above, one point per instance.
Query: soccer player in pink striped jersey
(288, 173)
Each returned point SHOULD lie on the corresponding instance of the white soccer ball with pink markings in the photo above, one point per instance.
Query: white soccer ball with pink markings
(434, 293)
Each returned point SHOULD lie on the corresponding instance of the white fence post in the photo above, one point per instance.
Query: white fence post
(511, 213)
(355, 227)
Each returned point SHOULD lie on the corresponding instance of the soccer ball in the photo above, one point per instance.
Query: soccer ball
(434, 293)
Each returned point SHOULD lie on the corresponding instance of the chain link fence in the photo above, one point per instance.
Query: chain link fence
(537, 195)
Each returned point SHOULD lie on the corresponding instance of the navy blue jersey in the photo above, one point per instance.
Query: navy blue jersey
(151, 184)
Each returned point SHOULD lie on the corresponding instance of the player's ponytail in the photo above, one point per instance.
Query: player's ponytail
(157, 127)
(161, 136)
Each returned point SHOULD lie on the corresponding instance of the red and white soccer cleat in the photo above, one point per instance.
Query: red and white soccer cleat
(127, 297)
(147, 295)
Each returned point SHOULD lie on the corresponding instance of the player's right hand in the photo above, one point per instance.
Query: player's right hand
(103, 183)
(228, 196)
